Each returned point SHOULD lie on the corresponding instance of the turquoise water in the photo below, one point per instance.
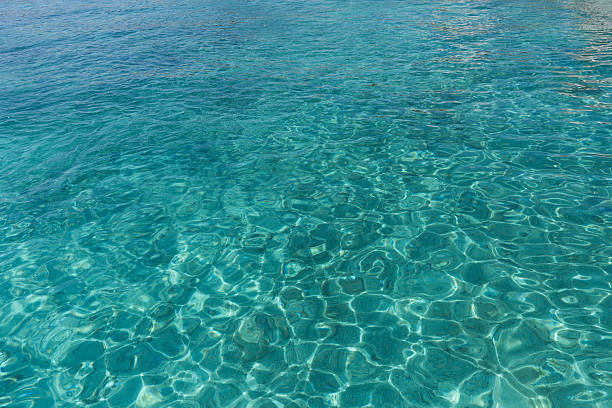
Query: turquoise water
(306, 204)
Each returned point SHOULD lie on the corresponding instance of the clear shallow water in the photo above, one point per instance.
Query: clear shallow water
(305, 204)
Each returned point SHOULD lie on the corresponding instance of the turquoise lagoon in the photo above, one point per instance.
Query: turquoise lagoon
(306, 204)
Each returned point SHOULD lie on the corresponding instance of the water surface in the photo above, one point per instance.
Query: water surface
(306, 204)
